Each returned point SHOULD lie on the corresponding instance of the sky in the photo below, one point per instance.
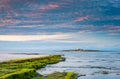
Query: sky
(91, 24)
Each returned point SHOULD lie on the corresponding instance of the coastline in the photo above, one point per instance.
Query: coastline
(11, 56)
(26, 68)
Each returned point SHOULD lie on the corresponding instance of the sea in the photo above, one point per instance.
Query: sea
(94, 65)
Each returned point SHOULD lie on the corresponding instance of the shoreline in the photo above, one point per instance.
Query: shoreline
(26, 68)
(11, 56)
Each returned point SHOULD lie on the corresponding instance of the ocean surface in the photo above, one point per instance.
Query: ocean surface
(92, 64)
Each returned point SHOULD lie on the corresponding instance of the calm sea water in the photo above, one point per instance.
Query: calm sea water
(90, 63)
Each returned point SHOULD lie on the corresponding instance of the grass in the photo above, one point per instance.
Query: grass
(26, 68)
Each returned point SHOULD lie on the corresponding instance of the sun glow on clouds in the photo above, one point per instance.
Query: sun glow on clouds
(87, 40)
(33, 37)
(64, 38)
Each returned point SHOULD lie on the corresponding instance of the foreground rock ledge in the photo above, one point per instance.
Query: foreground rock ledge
(26, 68)
(61, 75)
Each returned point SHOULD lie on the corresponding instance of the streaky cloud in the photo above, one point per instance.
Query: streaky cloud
(33, 37)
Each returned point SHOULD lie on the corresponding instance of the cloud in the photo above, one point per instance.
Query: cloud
(115, 27)
(85, 31)
(33, 37)
(49, 7)
(59, 37)
(80, 19)
(114, 34)
(28, 17)
(114, 30)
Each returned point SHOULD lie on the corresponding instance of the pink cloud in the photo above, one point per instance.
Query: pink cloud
(5, 1)
(11, 22)
(7, 21)
(116, 27)
(85, 31)
(49, 7)
(114, 30)
(4, 22)
(1, 25)
(80, 19)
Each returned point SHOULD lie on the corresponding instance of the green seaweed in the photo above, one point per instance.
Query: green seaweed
(26, 68)
(61, 75)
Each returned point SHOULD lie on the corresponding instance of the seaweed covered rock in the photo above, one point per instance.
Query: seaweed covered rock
(26, 68)
(61, 75)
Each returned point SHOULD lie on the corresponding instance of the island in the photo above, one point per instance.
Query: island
(81, 50)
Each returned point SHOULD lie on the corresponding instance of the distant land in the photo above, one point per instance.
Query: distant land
(82, 50)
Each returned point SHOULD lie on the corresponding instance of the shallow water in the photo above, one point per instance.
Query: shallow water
(90, 63)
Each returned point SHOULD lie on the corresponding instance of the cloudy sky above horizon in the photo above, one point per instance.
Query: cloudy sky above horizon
(68, 21)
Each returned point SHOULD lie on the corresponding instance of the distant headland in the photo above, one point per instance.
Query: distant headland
(82, 50)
